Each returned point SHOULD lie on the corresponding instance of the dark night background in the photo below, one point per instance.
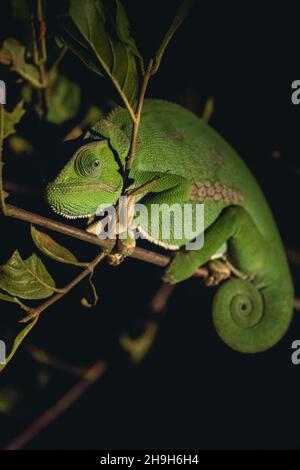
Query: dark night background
(191, 390)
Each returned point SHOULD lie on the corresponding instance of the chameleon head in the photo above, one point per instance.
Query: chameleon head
(90, 180)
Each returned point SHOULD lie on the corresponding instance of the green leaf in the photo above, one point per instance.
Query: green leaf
(27, 279)
(123, 29)
(15, 300)
(63, 99)
(103, 43)
(18, 340)
(13, 53)
(182, 12)
(51, 248)
(11, 119)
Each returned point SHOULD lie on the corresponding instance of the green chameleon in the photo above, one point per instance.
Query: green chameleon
(180, 159)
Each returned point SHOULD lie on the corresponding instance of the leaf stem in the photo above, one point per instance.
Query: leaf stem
(138, 114)
(40, 51)
(2, 197)
(115, 83)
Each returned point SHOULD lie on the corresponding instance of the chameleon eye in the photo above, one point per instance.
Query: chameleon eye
(87, 165)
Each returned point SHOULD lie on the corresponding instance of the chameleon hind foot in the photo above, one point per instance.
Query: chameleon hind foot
(222, 269)
(218, 272)
(236, 272)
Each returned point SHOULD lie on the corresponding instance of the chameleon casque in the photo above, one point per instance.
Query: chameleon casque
(180, 159)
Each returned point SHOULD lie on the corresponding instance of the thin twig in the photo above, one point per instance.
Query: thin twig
(161, 298)
(42, 31)
(115, 82)
(86, 272)
(138, 253)
(293, 256)
(2, 196)
(297, 304)
(43, 357)
(40, 51)
(93, 374)
(17, 188)
(137, 348)
(136, 122)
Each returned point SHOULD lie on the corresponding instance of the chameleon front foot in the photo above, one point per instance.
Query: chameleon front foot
(181, 267)
(123, 249)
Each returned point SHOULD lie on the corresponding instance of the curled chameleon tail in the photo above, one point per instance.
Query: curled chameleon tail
(249, 316)
(250, 319)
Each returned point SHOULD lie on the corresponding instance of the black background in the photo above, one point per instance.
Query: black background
(191, 391)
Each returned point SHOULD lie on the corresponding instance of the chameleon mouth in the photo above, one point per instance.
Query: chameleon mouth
(71, 187)
(64, 200)
(68, 215)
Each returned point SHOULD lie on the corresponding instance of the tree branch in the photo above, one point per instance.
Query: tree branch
(139, 253)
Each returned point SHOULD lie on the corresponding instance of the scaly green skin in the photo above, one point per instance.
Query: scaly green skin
(192, 163)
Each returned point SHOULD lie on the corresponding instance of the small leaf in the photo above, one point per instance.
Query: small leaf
(27, 279)
(51, 248)
(18, 340)
(19, 145)
(9, 398)
(182, 12)
(11, 119)
(93, 115)
(63, 99)
(139, 347)
(15, 300)
(208, 110)
(103, 43)
(12, 53)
